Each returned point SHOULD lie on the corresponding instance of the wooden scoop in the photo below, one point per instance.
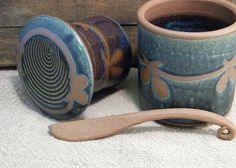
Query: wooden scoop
(91, 129)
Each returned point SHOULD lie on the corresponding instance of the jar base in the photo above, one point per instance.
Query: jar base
(184, 122)
(174, 124)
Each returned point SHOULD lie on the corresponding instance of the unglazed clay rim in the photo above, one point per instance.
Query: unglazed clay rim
(185, 35)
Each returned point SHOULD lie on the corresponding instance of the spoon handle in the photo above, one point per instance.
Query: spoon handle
(91, 129)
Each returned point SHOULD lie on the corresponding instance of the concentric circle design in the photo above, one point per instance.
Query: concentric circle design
(55, 67)
(46, 72)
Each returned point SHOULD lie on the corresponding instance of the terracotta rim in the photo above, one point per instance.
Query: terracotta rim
(227, 6)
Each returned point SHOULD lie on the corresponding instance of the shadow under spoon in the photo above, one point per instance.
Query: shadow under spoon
(91, 129)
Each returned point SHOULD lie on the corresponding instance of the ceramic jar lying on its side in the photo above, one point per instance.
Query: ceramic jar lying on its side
(62, 65)
(187, 55)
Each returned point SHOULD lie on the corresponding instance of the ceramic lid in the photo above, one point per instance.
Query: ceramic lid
(54, 67)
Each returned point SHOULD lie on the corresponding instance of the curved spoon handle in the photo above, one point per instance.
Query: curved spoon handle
(91, 129)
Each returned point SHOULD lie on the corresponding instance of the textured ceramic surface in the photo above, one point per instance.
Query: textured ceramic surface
(62, 65)
(192, 73)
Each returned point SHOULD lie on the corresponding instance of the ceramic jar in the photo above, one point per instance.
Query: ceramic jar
(61, 65)
(187, 55)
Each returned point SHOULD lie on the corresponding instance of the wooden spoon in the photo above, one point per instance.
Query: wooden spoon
(91, 129)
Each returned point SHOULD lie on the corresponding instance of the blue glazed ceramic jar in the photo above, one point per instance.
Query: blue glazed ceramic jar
(61, 65)
(187, 55)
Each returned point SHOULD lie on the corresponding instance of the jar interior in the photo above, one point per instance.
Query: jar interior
(189, 23)
(190, 16)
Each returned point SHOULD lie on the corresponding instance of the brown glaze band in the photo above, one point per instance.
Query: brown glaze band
(97, 56)
(219, 9)
(106, 50)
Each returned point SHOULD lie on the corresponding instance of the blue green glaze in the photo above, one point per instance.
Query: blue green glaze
(182, 57)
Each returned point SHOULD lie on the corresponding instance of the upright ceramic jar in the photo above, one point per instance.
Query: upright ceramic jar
(187, 55)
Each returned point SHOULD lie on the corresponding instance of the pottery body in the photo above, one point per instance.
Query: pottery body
(109, 50)
(62, 65)
(190, 70)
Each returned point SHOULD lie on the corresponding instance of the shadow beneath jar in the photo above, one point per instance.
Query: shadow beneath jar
(97, 96)
(130, 86)
(190, 130)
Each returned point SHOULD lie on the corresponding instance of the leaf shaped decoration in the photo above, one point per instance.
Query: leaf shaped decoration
(145, 74)
(79, 82)
(116, 57)
(81, 97)
(160, 87)
(116, 71)
(233, 74)
(222, 82)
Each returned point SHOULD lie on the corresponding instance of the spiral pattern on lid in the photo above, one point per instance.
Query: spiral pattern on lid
(45, 72)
